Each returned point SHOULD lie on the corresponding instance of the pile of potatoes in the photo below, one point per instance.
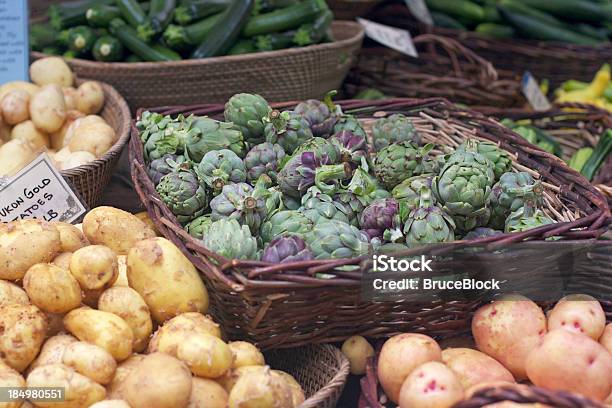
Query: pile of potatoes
(569, 349)
(51, 115)
(116, 316)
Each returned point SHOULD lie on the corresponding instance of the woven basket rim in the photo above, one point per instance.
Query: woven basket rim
(337, 382)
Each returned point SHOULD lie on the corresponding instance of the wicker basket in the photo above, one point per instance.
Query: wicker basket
(351, 9)
(322, 371)
(255, 300)
(444, 68)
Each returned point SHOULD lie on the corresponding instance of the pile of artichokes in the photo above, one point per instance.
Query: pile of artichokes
(302, 184)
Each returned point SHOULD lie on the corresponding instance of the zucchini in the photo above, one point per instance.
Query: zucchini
(81, 39)
(160, 15)
(284, 19)
(517, 7)
(197, 10)
(443, 20)
(574, 10)
(242, 46)
(181, 38)
(495, 30)
(41, 36)
(62, 38)
(101, 15)
(128, 37)
(580, 158)
(107, 49)
(462, 9)
(225, 31)
(51, 50)
(546, 142)
(133, 58)
(600, 154)
(132, 12)
(275, 41)
(491, 15)
(596, 32)
(69, 54)
(313, 33)
(71, 14)
(265, 6)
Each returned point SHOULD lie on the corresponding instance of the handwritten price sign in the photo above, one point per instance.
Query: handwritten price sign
(395, 38)
(13, 40)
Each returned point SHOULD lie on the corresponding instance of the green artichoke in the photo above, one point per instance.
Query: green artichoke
(481, 232)
(510, 193)
(393, 129)
(246, 112)
(228, 238)
(351, 124)
(480, 218)
(365, 186)
(199, 226)
(238, 202)
(220, 167)
(408, 191)
(285, 222)
(166, 164)
(353, 204)
(336, 239)
(214, 135)
(182, 193)
(152, 122)
(500, 158)
(318, 206)
(166, 136)
(321, 116)
(287, 129)
(526, 218)
(399, 161)
(428, 223)
(264, 158)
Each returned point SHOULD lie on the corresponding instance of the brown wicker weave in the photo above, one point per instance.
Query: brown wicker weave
(444, 68)
(351, 9)
(255, 300)
(322, 371)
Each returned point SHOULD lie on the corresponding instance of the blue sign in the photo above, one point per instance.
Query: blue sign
(13, 40)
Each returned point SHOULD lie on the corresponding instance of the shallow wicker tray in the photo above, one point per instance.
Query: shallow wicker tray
(255, 300)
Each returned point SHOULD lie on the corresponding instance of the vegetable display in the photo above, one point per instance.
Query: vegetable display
(169, 30)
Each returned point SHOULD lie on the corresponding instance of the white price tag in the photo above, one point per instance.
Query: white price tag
(419, 10)
(14, 53)
(395, 38)
(533, 93)
(39, 191)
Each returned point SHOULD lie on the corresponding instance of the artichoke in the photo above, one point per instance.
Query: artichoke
(381, 219)
(365, 186)
(199, 226)
(352, 203)
(238, 202)
(399, 161)
(264, 158)
(214, 135)
(287, 129)
(510, 193)
(480, 218)
(500, 158)
(285, 222)
(428, 223)
(317, 207)
(246, 112)
(408, 191)
(166, 164)
(152, 122)
(328, 152)
(286, 248)
(481, 232)
(393, 129)
(228, 238)
(320, 115)
(526, 218)
(220, 167)
(166, 136)
(352, 147)
(182, 193)
(349, 123)
(336, 239)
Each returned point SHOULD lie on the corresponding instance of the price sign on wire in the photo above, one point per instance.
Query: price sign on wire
(13, 40)
(533, 93)
(419, 10)
(39, 191)
(395, 38)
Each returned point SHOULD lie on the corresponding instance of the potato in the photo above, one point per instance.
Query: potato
(26, 131)
(114, 403)
(571, 362)
(15, 155)
(15, 106)
(126, 303)
(166, 279)
(230, 378)
(117, 386)
(207, 394)
(91, 361)
(82, 121)
(606, 338)
(12, 294)
(261, 389)
(22, 332)
(57, 139)
(508, 330)
(62, 155)
(400, 355)
(79, 391)
(122, 268)
(245, 354)
(11, 379)
(52, 352)
(71, 237)
(96, 138)
(159, 381)
(297, 393)
(29, 87)
(90, 97)
(48, 109)
(167, 338)
(94, 267)
(103, 329)
(51, 288)
(431, 385)
(77, 159)
(580, 314)
(117, 229)
(207, 356)
(357, 350)
(63, 260)
(144, 217)
(70, 97)
(51, 70)
(473, 367)
(5, 131)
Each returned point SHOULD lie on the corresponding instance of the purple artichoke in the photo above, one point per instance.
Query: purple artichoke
(287, 129)
(320, 115)
(239, 201)
(352, 146)
(166, 164)
(264, 158)
(304, 169)
(381, 219)
(287, 248)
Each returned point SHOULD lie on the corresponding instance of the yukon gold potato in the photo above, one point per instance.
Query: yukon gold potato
(51, 288)
(400, 355)
(579, 314)
(117, 386)
(96, 137)
(79, 390)
(58, 138)
(159, 381)
(70, 97)
(207, 393)
(23, 332)
(29, 87)
(122, 268)
(245, 354)
(81, 121)
(430, 385)
(92, 361)
(11, 379)
(357, 350)
(207, 356)
(14, 106)
(103, 329)
(5, 131)
(48, 109)
(70, 236)
(508, 330)
(114, 403)
(90, 97)
(94, 267)
(297, 393)
(63, 260)
(77, 159)
(571, 362)
(606, 338)
(15, 155)
(126, 303)
(51, 70)
(261, 389)
(144, 217)
(117, 229)
(12, 294)
(167, 338)
(473, 367)
(62, 155)
(166, 279)
(26, 131)
(52, 352)
(230, 378)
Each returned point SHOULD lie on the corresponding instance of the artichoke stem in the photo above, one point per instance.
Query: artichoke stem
(218, 184)
(250, 203)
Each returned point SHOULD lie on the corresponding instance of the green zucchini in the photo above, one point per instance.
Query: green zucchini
(51, 50)
(313, 33)
(41, 36)
(107, 49)
(81, 39)
(160, 15)
(491, 15)
(443, 20)
(274, 41)
(580, 158)
(132, 12)
(128, 37)
(599, 33)
(197, 10)
(101, 15)
(181, 38)
(546, 142)
(283, 19)
(574, 10)
(62, 38)
(242, 46)
(265, 6)
(516, 6)
(225, 31)
(462, 9)
(69, 54)
(133, 58)
(495, 30)
(70, 14)
(600, 154)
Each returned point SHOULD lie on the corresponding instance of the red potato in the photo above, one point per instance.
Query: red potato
(606, 338)
(571, 362)
(400, 355)
(431, 385)
(473, 367)
(508, 330)
(579, 314)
